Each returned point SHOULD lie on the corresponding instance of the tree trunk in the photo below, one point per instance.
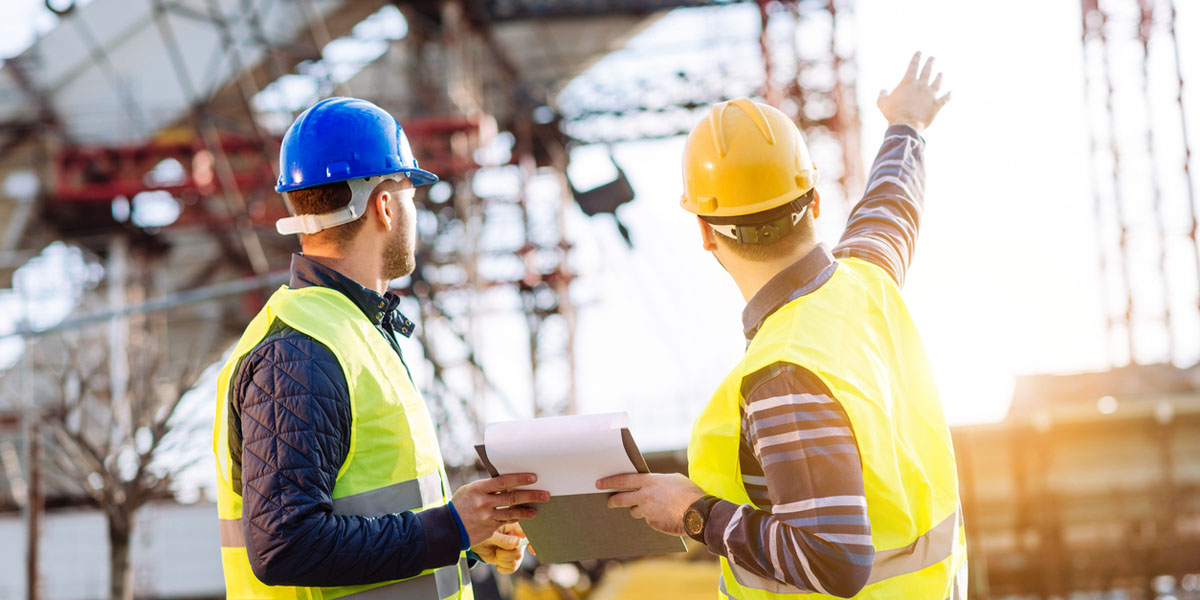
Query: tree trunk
(120, 573)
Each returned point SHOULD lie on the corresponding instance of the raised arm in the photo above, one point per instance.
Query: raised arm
(882, 227)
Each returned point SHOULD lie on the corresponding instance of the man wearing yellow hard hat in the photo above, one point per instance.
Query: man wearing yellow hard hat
(822, 465)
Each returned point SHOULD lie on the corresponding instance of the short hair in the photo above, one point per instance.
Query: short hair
(804, 231)
(321, 199)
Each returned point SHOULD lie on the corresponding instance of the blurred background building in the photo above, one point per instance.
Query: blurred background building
(138, 148)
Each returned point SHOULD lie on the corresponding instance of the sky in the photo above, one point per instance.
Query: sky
(1006, 277)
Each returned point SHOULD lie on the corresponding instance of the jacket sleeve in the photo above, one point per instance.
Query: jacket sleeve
(882, 227)
(294, 410)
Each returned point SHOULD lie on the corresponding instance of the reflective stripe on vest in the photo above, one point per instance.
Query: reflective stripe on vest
(232, 534)
(442, 583)
(398, 497)
(855, 334)
(957, 592)
(930, 549)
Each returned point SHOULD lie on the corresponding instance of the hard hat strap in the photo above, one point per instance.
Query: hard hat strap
(360, 193)
(763, 234)
(763, 228)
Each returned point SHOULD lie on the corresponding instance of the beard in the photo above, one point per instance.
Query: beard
(398, 254)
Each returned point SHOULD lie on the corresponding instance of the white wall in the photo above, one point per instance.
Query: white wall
(175, 553)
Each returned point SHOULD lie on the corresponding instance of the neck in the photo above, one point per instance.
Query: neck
(362, 266)
(750, 276)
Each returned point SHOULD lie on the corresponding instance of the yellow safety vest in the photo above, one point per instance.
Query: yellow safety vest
(855, 333)
(393, 465)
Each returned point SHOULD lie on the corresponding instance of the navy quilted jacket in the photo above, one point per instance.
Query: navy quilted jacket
(290, 424)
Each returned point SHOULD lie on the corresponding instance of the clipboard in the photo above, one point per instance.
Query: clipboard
(572, 527)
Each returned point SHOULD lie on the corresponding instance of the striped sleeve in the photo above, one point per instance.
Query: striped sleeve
(808, 526)
(882, 227)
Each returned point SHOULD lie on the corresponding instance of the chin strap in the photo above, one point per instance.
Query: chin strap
(360, 193)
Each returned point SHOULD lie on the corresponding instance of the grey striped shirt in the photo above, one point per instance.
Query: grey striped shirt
(808, 526)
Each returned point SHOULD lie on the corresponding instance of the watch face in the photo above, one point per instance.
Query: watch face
(693, 522)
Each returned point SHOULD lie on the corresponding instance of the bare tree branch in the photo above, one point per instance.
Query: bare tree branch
(119, 448)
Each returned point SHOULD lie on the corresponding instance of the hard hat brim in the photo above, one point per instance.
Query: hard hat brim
(418, 177)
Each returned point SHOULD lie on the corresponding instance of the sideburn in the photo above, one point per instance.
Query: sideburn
(398, 261)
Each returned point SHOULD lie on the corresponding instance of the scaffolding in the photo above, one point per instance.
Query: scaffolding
(1136, 255)
(185, 101)
(191, 106)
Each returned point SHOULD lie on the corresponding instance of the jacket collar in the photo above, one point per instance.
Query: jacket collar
(308, 272)
(798, 279)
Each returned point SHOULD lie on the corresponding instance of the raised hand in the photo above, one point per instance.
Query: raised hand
(487, 504)
(914, 101)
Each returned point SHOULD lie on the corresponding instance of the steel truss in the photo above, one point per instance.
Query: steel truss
(816, 89)
(1115, 210)
(463, 88)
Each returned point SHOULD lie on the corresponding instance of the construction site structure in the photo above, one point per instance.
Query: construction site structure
(178, 105)
(1146, 213)
(1090, 485)
(138, 143)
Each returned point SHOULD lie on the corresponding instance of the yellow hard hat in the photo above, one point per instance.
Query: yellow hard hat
(744, 158)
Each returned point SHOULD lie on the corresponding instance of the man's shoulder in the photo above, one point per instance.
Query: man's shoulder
(284, 341)
(781, 378)
(287, 351)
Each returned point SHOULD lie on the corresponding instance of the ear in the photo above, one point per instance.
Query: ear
(708, 237)
(815, 205)
(382, 201)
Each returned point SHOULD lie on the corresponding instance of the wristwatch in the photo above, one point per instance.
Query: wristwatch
(695, 519)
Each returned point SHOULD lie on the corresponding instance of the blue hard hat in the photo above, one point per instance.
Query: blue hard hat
(338, 139)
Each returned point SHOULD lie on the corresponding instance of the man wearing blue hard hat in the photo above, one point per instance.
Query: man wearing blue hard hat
(330, 481)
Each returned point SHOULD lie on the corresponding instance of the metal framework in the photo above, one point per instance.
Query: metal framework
(468, 76)
(1064, 500)
(815, 88)
(1115, 209)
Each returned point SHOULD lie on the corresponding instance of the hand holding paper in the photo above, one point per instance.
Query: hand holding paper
(486, 504)
(569, 454)
(659, 498)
